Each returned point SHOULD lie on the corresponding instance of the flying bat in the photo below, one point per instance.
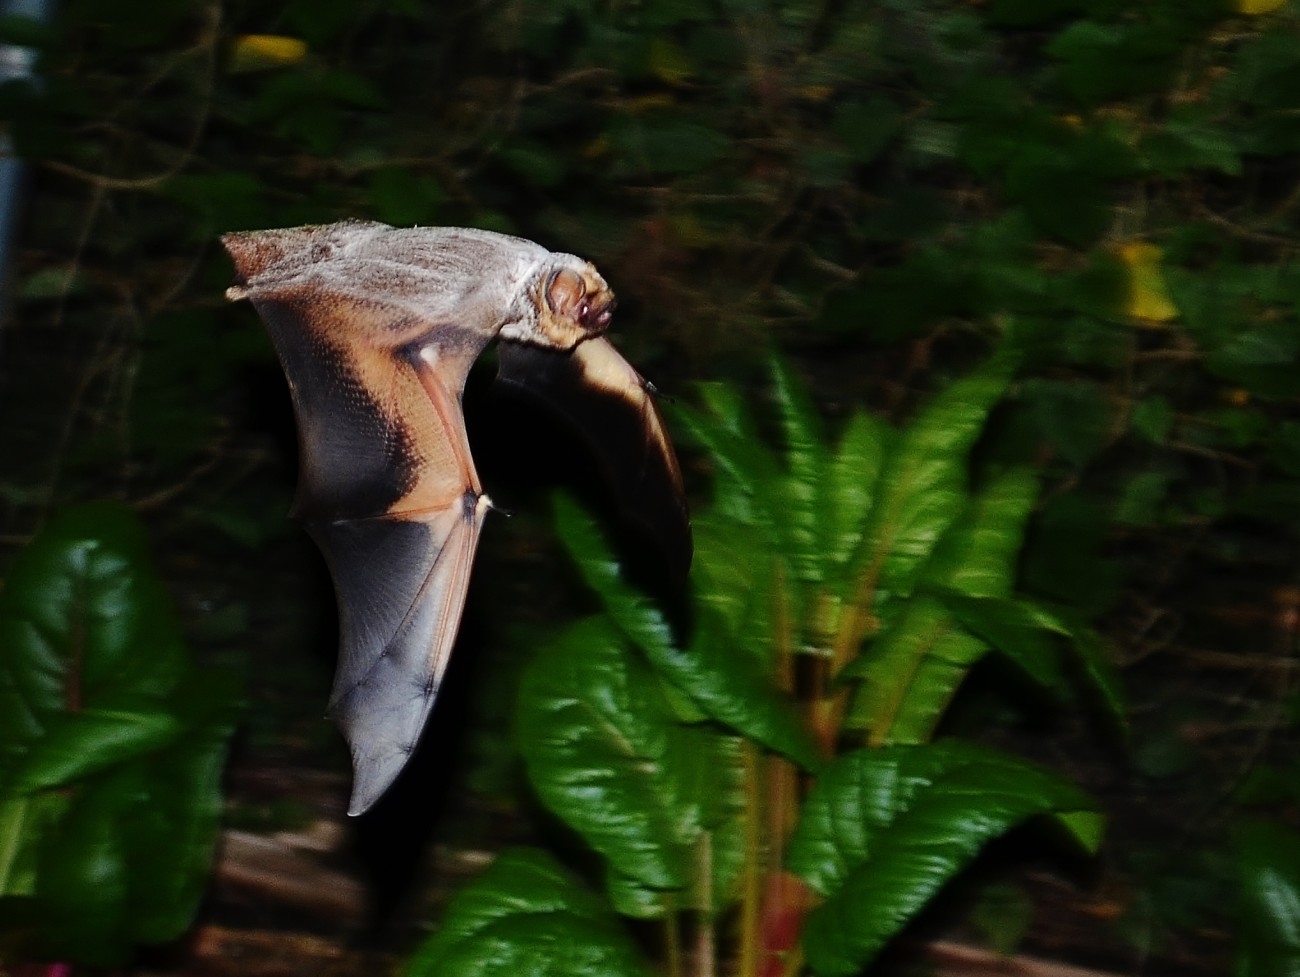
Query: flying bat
(376, 328)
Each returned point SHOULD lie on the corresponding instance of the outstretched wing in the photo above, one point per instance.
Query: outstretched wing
(376, 328)
(388, 490)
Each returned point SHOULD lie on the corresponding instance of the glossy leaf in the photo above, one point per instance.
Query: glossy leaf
(84, 624)
(112, 745)
(922, 487)
(720, 676)
(910, 672)
(745, 466)
(742, 601)
(714, 786)
(1012, 628)
(801, 491)
(602, 750)
(526, 916)
(882, 831)
(850, 481)
(978, 554)
(1268, 900)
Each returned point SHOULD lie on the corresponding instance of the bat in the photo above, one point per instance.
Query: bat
(376, 329)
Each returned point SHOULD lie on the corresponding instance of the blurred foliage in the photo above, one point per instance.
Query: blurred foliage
(112, 744)
(884, 190)
(862, 564)
(1268, 937)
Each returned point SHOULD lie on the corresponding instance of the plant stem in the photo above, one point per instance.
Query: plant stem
(673, 941)
(752, 884)
(706, 951)
(856, 621)
(11, 831)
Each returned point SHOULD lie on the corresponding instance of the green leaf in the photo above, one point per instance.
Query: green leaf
(1105, 61)
(922, 487)
(746, 468)
(1284, 447)
(744, 602)
(1061, 197)
(722, 678)
(603, 751)
(1140, 500)
(850, 481)
(801, 488)
(1072, 416)
(714, 784)
(86, 628)
(978, 554)
(1012, 628)
(526, 916)
(171, 833)
(1103, 677)
(1153, 418)
(535, 163)
(1192, 142)
(74, 745)
(1063, 557)
(1263, 360)
(83, 885)
(1268, 900)
(884, 830)
(910, 672)
(112, 740)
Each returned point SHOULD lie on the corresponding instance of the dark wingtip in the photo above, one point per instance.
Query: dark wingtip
(613, 408)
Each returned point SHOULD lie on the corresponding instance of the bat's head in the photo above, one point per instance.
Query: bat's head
(572, 303)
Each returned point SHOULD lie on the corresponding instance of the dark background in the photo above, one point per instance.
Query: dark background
(882, 191)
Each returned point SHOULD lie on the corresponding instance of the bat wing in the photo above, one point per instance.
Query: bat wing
(608, 401)
(388, 490)
(401, 585)
(376, 328)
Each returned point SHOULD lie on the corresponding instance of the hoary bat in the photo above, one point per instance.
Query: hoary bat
(376, 328)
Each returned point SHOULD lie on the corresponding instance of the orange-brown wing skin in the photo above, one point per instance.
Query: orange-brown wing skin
(387, 489)
(376, 328)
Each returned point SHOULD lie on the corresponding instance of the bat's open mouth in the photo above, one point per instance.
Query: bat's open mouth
(596, 318)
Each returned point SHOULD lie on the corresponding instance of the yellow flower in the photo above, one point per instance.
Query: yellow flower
(1253, 8)
(256, 52)
(1147, 296)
